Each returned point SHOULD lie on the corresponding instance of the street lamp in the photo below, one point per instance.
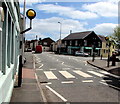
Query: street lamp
(60, 36)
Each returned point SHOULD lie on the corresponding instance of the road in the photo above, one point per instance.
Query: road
(70, 79)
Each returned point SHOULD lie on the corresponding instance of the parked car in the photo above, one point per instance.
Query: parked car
(29, 50)
(78, 53)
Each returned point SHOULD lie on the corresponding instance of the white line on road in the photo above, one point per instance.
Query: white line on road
(104, 72)
(65, 68)
(66, 74)
(62, 62)
(50, 75)
(57, 94)
(78, 68)
(82, 73)
(53, 69)
(106, 80)
(41, 66)
(110, 85)
(41, 91)
(87, 81)
(67, 82)
(95, 73)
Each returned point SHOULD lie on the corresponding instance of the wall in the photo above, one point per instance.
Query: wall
(9, 51)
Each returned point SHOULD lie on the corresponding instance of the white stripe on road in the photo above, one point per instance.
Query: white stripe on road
(110, 85)
(53, 69)
(50, 75)
(95, 73)
(104, 72)
(106, 80)
(82, 73)
(65, 68)
(67, 82)
(78, 68)
(66, 74)
(41, 66)
(87, 81)
(57, 94)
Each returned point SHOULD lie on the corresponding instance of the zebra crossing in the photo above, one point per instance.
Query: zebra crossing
(71, 74)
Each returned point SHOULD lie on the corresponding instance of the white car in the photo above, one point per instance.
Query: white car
(78, 53)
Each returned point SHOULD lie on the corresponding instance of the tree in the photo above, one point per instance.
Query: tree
(116, 36)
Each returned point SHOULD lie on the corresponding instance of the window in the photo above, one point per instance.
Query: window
(12, 44)
(4, 35)
(70, 42)
(9, 41)
(85, 42)
(0, 45)
(65, 42)
(76, 42)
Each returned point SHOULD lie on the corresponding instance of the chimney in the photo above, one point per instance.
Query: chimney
(70, 31)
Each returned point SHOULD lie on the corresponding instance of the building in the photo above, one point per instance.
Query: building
(9, 47)
(105, 48)
(46, 44)
(82, 41)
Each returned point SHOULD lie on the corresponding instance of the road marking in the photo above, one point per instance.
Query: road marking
(106, 80)
(62, 62)
(50, 75)
(65, 68)
(39, 69)
(41, 91)
(57, 94)
(67, 82)
(78, 68)
(104, 72)
(95, 73)
(57, 59)
(104, 83)
(41, 66)
(87, 81)
(53, 69)
(82, 73)
(66, 74)
(110, 85)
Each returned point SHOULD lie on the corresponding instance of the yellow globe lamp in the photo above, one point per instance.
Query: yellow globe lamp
(31, 14)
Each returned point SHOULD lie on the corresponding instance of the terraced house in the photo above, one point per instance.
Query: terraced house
(9, 47)
(82, 41)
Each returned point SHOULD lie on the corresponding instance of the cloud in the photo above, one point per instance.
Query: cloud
(105, 9)
(50, 28)
(67, 11)
(104, 28)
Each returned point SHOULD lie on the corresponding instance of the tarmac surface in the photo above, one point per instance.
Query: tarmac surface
(30, 90)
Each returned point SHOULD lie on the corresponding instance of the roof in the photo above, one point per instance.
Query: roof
(102, 38)
(78, 35)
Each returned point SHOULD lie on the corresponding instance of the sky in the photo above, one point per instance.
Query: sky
(100, 16)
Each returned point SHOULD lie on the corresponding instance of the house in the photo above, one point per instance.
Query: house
(46, 44)
(86, 41)
(9, 47)
(105, 48)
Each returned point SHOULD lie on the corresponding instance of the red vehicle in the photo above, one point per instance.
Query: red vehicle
(38, 49)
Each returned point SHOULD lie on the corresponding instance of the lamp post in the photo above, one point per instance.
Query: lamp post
(60, 36)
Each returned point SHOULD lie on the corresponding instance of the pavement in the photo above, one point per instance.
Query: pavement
(30, 89)
(102, 64)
